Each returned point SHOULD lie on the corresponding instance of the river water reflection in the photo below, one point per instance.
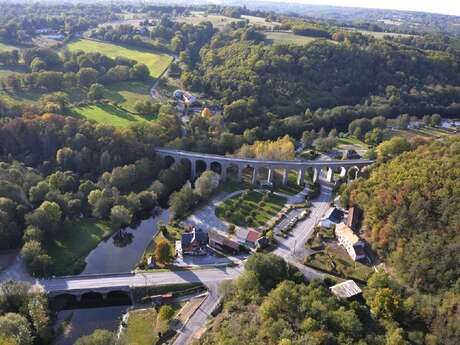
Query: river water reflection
(108, 257)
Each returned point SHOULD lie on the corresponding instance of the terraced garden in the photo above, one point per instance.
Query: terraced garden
(250, 208)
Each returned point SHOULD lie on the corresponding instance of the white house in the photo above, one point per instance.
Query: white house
(352, 243)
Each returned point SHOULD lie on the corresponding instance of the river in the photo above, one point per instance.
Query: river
(110, 257)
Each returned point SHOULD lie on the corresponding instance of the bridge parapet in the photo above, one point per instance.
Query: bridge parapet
(225, 162)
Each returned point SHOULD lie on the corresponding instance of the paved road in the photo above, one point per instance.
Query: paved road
(293, 248)
(299, 235)
(206, 276)
(200, 317)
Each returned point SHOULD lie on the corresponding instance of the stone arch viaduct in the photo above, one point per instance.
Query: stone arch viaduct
(223, 163)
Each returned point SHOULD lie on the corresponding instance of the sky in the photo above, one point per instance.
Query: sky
(451, 7)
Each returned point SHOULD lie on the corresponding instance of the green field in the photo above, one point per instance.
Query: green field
(291, 188)
(143, 327)
(156, 62)
(337, 262)
(197, 17)
(76, 242)
(107, 114)
(380, 35)
(126, 94)
(289, 38)
(236, 210)
(7, 47)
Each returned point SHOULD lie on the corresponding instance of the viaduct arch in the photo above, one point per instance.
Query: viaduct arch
(221, 164)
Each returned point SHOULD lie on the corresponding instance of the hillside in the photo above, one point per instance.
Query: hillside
(411, 213)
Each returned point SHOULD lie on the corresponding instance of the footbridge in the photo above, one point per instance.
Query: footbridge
(223, 164)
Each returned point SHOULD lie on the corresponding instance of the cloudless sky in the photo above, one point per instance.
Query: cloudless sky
(451, 7)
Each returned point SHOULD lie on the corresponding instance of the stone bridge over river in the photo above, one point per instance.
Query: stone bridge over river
(223, 164)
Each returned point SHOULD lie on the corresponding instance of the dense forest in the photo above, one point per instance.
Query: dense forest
(54, 169)
(286, 80)
(270, 304)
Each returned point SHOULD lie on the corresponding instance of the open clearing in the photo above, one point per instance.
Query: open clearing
(156, 62)
(127, 93)
(143, 327)
(70, 249)
(249, 209)
(217, 21)
(289, 38)
(107, 114)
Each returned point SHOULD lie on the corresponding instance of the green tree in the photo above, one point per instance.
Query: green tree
(16, 327)
(391, 148)
(47, 217)
(98, 337)
(87, 76)
(96, 92)
(120, 216)
(39, 314)
(163, 252)
(206, 184)
(166, 312)
(182, 201)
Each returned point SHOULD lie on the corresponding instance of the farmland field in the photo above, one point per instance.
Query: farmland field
(289, 38)
(107, 114)
(217, 21)
(380, 35)
(156, 62)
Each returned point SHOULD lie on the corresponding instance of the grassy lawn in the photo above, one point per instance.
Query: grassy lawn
(288, 38)
(230, 186)
(68, 253)
(144, 327)
(246, 209)
(291, 188)
(107, 114)
(156, 62)
(344, 265)
(351, 140)
(127, 93)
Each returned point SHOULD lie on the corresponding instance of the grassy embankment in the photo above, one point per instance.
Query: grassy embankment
(70, 248)
(144, 327)
(248, 209)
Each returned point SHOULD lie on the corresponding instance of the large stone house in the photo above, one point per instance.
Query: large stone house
(193, 243)
(350, 241)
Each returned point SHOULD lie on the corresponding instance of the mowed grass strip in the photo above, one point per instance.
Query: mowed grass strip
(237, 209)
(143, 328)
(71, 247)
(107, 114)
(156, 62)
